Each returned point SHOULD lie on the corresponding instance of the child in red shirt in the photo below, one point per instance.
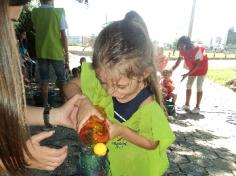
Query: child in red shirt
(168, 86)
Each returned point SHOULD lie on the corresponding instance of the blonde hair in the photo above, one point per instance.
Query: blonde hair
(13, 131)
(126, 45)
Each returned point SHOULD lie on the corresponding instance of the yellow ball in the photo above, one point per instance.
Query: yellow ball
(100, 149)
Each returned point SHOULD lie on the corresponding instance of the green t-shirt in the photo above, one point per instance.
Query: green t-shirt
(150, 121)
(48, 42)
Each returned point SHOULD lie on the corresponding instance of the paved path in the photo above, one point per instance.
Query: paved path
(206, 143)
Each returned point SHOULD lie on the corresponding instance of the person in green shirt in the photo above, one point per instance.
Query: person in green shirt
(122, 80)
(51, 44)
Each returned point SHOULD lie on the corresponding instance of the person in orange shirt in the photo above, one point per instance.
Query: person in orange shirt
(160, 60)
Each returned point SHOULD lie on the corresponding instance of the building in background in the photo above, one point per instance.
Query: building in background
(231, 37)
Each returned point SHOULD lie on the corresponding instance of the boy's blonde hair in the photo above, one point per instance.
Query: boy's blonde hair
(125, 46)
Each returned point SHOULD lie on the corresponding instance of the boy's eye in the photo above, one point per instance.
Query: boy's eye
(121, 87)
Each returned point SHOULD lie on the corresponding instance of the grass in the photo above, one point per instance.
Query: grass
(211, 55)
(221, 75)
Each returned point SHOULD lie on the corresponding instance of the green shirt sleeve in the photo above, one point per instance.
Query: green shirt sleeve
(91, 87)
(149, 121)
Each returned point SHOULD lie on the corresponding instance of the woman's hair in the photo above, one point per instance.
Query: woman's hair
(184, 40)
(126, 46)
(13, 131)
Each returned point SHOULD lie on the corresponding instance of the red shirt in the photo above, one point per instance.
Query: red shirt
(165, 86)
(189, 59)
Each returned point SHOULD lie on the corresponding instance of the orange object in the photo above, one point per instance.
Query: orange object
(94, 131)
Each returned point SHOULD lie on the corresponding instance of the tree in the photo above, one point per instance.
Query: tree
(25, 24)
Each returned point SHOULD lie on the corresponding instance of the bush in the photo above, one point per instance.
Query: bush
(26, 24)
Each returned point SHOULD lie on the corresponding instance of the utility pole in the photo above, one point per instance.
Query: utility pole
(106, 19)
(191, 19)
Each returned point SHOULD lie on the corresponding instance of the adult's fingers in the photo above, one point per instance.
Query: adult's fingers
(82, 122)
(73, 117)
(41, 136)
(52, 152)
(55, 161)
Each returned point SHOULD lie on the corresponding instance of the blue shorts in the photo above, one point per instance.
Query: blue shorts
(58, 67)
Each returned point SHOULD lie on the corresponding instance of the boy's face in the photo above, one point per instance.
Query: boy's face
(119, 86)
(166, 74)
(182, 47)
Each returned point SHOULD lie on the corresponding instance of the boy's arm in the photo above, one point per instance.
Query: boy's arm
(131, 136)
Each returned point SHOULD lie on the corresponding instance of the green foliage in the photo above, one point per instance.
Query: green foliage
(92, 39)
(231, 47)
(25, 24)
(221, 75)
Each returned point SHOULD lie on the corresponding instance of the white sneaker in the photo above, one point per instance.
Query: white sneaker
(186, 108)
(196, 110)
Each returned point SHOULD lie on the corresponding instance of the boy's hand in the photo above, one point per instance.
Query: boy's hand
(114, 129)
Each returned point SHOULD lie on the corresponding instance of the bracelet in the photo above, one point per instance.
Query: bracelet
(46, 117)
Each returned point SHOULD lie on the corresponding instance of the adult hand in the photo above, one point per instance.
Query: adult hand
(66, 115)
(85, 110)
(44, 158)
(184, 76)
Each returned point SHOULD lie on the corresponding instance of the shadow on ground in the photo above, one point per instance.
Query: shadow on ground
(63, 136)
(191, 154)
(182, 115)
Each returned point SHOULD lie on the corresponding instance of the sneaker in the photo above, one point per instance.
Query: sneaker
(186, 108)
(196, 110)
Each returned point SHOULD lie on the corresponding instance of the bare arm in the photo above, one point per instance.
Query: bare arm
(64, 115)
(34, 115)
(71, 88)
(65, 46)
(177, 63)
(131, 136)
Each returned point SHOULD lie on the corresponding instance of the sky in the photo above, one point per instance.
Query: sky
(167, 20)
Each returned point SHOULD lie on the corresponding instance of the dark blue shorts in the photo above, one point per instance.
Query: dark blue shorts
(58, 67)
